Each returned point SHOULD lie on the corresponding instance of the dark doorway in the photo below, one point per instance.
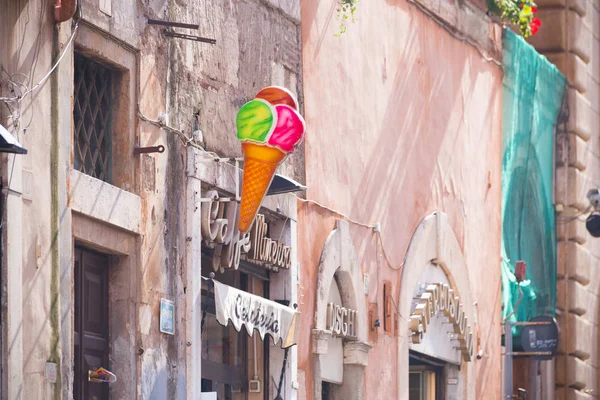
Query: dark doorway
(91, 322)
(426, 377)
(326, 391)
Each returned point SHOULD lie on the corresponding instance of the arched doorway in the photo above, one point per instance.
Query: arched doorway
(340, 280)
(435, 260)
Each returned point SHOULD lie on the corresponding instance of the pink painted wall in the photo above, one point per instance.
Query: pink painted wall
(403, 120)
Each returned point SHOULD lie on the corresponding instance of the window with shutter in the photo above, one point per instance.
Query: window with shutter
(92, 117)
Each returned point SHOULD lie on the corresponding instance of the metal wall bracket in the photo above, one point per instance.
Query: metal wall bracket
(172, 24)
(189, 37)
(153, 149)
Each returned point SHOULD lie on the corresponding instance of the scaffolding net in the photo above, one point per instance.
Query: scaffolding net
(533, 91)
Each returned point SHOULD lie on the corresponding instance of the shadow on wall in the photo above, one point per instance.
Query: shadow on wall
(413, 114)
(405, 170)
(422, 159)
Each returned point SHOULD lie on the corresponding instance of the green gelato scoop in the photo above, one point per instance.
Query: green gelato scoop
(255, 121)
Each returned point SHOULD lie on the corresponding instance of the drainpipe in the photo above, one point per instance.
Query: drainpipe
(64, 10)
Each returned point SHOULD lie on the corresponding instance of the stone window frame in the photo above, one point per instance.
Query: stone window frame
(121, 58)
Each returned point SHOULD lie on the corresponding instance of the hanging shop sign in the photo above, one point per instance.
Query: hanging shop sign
(255, 313)
(341, 321)
(439, 298)
(230, 245)
(269, 128)
(540, 336)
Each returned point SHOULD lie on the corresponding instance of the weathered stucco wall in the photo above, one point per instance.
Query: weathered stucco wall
(410, 123)
(258, 44)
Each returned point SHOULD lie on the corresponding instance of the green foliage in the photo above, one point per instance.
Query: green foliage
(346, 11)
(520, 13)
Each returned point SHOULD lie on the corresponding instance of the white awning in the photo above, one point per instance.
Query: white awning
(256, 313)
(8, 143)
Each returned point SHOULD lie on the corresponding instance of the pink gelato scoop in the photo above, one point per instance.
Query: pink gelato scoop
(289, 129)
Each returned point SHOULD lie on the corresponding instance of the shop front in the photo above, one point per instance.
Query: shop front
(436, 357)
(340, 335)
(245, 301)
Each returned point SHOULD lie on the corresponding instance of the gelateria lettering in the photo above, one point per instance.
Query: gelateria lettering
(256, 317)
(219, 231)
(439, 297)
(341, 321)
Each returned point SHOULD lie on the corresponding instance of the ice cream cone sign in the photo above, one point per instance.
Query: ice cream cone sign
(269, 127)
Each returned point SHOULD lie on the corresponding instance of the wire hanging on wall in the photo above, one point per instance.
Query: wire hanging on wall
(19, 98)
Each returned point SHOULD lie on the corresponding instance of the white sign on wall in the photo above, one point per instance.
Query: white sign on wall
(332, 363)
(438, 302)
(341, 321)
(438, 323)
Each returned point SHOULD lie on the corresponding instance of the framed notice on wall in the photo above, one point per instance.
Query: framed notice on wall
(167, 316)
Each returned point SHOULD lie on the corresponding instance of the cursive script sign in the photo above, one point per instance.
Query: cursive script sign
(219, 231)
(267, 250)
(255, 313)
(437, 298)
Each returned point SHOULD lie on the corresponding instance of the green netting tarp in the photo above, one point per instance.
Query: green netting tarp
(533, 92)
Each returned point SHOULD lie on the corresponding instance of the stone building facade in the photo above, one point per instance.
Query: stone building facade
(94, 229)
(410, 204)
(403, 168)
(571, 40)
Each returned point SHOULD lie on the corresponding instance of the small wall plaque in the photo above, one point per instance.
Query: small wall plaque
(51, 372)
(106, 7)
(167, 316)
(27, 185)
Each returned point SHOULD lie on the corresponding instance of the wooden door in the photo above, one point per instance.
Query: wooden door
(91, 322)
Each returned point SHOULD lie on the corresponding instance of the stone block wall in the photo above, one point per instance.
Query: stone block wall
(570, 38)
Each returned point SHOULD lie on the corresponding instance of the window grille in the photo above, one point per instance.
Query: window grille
(92, 117)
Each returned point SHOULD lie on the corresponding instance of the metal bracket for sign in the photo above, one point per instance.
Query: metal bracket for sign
(236, 161)
(153, 149)
(508, 381)
(532, 323)
(189, 37)
(172, 24)
(219, 200)
(172, 34)
(531, 353)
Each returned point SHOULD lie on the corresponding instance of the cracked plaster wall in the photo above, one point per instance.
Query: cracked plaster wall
(258, 44)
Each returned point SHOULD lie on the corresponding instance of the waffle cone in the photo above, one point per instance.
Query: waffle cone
(260, 163)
